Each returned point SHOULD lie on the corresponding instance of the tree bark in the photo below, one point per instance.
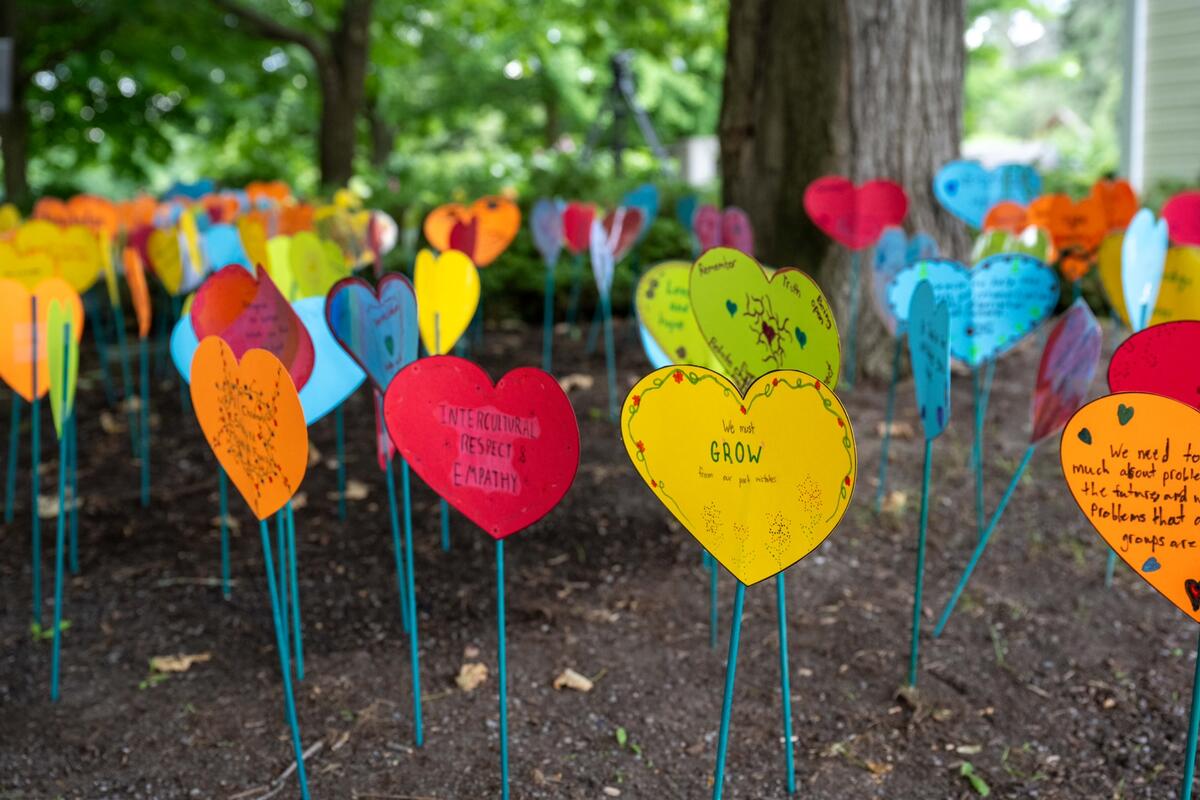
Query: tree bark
(862, 89)
(14, 123)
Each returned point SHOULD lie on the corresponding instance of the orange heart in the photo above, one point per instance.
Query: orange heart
(1130, 461)
(1120, 203)
(1006, 216)
(1075, 228)
(251, 416)
(139, 290)
(27, 376)
(482, 231)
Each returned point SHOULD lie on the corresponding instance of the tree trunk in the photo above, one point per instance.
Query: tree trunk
(866, 90)
(14, 123)
(343, 92)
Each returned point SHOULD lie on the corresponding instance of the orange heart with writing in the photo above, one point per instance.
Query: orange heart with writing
(483, 231)
(251, 416)
(1075, 228)
(1132, 460)
(26, 375)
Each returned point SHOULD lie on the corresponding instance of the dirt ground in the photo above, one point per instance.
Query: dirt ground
(1046, 683)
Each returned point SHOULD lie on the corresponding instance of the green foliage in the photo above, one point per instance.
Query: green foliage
(978, 784)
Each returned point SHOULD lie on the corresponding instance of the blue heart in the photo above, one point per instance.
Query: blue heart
(1085, 436)
(801, 337)
(967, 190)
(731, 307)
(1151, 565)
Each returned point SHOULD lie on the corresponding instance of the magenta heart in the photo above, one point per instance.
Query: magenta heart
(1160, 359)
(731, 228)
(503, 455)
(1182, 213)
(854, 216)
(250, 313)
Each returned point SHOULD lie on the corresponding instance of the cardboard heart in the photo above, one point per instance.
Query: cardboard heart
(447, 292)
(1160, 360)
(1119, 201)
(1006, 215)
(601, 255)
(28, 269)
(854, 216)
(317, 264)
(26, 375)
(623, 226)
(279, 265)
(376, 326)
(62, 343)
(251, 416)
(577, 226)
(968, 190)
(664, 310)
(547, 225)
(503, 455)
(1076, 229)
(162, 250)
(139, 290)
(1178, 294)
(1143, 257)
(221, 245)
(74, 251)
(1031, 241)
(929, 348)
(1182, 213)
(992, 306)
(760, 480)
(335, 374)
(1134, 484)
(1066, 369)
(482, 231)
(729, 228)
(777, 322)
(248, 312)
(893, 252)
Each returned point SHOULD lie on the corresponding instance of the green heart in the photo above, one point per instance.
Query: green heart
(390, 344)
(1085, 436)
(762, 336)
(1124, 413)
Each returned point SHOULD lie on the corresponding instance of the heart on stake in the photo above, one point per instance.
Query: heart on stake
(1182, 213)
(482, 231)
(1177, 296)
(754, 323)
(577, 226)
(1068, 364)
(729, 228)
(968, 190)
(665, 313)
(251, 417)
(759, 479)
(18, 332)
(1133, 485)
(447, 292)
(1159, 360)
(250, 313)
(929, 348)
(854, 216)
(63, 333)
(893, 252)
(376, 326)
(1076, 229)
(503, 455)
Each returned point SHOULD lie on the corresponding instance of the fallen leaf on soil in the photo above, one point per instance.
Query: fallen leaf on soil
(299, 500)
(180, 663)
(576, 380)
(570, 679)
(109, 423)
(895, 502)
(968, 749)
(314, 455)
(48, 505)
(470, 675)
(612, 791)
(900, 430)
(231, 521)
(355, 490)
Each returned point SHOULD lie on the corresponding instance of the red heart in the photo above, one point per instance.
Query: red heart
(503, 455)
(631, 225)
(577, 225)
(248, 314)
(1160, 359)
(1182, 213)
(854, 216)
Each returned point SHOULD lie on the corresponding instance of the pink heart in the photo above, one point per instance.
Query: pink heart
(1182, 213)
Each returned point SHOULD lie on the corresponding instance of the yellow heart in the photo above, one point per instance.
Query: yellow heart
(162, 247)
(1179, 295)
(74, 251)
(254, 241)
(28, 269)
(316, 264)
(447, 289)
(760, 480)
(279, 265)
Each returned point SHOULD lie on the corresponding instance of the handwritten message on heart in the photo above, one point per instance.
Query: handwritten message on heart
(1131, 461)
(664, 310)
(24, 347)
(503, 455)
(992, 307)
(1076, 229)
(248, 312)
(1068, 364)
(854, 216)
(760, 480)
(447, 292)
(929, 347)
(1160, 360)
(754, 323)
(376, 326)
(251, 417)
